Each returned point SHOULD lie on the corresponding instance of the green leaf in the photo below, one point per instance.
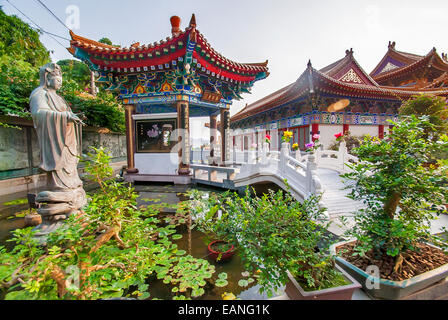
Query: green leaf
(222, 276)
(243, 283)
(221, 283)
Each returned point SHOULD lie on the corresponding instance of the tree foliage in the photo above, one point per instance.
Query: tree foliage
(100, 111)
(105, 41)
(17, 80)
(21, 53)
(76, 71)
(273, 233)
(19, 41)
(401, 192)
(436, 108)
(21, 56)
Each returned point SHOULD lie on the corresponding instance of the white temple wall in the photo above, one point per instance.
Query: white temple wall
(327, 132)
(157, 163)
(360, 130)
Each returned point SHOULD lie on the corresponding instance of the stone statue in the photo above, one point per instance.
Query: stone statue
(59, 133)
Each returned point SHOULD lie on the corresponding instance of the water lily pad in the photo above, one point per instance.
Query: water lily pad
(197, 292)
(221, 283)
(222, 276)
(181, 252)
(243, 283)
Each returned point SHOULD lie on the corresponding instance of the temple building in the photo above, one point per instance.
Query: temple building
(161, 86)
(341, 97)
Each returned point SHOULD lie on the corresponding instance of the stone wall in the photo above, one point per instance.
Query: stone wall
(19, 148)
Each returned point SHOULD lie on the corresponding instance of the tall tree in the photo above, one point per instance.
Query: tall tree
(21, 54)
(19, 40)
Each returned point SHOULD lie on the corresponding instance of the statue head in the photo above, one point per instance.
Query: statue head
(51, 76)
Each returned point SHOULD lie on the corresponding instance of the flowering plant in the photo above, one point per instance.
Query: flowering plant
(295, 146)
(312, 146)
(268, 139)
(286, 136)
(339, 136)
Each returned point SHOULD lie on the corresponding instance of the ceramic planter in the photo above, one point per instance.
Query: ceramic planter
(220, 256)
(296, 292)
(388, 289)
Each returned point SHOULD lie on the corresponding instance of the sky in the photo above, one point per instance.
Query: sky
(287, 33)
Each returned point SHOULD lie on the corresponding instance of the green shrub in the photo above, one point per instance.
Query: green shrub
(400, 191)
(273, 233)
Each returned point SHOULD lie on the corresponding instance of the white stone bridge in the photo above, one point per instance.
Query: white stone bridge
(306, 174)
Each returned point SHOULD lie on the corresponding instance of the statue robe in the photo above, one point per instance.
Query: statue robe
(58, 138)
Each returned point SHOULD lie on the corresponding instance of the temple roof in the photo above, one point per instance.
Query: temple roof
(398, 65)
(343, 78)
(165, 54)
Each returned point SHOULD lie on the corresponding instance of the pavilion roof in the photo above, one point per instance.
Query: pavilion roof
(397, 64)
(164, 54)
(344, 78)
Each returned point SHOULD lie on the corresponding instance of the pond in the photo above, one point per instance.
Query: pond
(194, 243)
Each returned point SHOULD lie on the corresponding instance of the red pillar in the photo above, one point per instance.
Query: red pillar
(314, 130)
(345, 128)
(381, 131)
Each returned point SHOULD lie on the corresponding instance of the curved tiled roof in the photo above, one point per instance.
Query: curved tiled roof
(327, 80)
(410, 62)
(164, 51)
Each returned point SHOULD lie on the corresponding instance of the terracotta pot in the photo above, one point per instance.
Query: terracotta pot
(296, 292)
(220, 256)
(388, 289)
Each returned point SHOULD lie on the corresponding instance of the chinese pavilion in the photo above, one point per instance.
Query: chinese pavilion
(161, 86)
(342, 97)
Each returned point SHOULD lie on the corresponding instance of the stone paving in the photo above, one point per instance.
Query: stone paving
(339, 205)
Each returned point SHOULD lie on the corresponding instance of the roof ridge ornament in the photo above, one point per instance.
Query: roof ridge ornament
(349, 52)
(193, 21)
(391, 45)
(175, 26)
(309, 64)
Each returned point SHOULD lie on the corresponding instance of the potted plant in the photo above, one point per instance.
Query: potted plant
(392, 233)
(220, 250)
(281, 243)
(205, 211)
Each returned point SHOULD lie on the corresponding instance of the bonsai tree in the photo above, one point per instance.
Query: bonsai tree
(274, 233)
(401, 195)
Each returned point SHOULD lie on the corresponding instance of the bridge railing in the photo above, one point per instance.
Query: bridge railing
(335, 160)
